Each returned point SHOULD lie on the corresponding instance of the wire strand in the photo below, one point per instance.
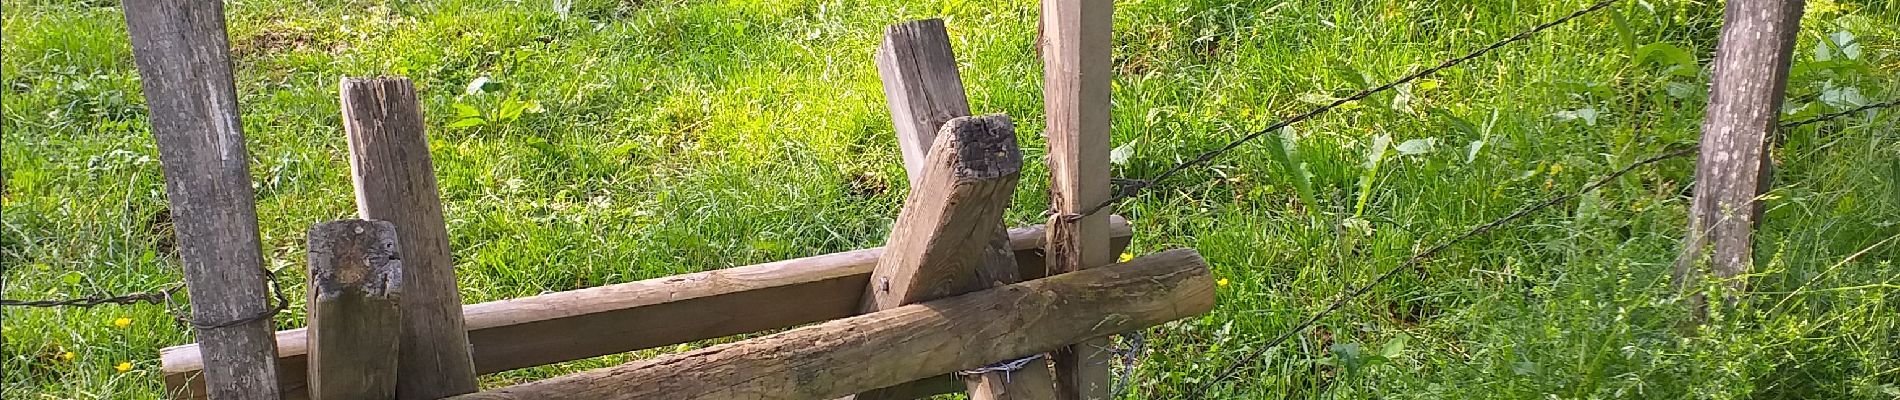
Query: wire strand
(1416, 258)
(1134, 188)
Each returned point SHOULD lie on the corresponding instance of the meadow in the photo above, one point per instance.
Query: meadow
(589, 142)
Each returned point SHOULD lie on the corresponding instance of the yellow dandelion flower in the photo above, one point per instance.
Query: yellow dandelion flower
(67, 356)
(122, 322)
(124, 366)
(1221, 282)
(1127, 256)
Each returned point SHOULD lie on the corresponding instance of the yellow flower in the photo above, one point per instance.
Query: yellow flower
(1221, 282)
(124, 366)
(1127, 256)
(122, 322)
(67, 356)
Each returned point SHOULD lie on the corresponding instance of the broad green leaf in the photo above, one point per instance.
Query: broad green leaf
(1850, 48)
(1674, 59)
(1417, 146)
(1284, 148)
(543, 145)
(464, 111)
(478, 86)
(510, 110)
(1624, 35)
(466, 122)
(1471, 153)
(1374, 158)
(1395, 347)
(1122, 153)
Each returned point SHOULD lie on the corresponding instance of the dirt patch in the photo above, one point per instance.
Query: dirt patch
(278, 40)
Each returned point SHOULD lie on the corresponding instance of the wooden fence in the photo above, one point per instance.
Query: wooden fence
(952, 290)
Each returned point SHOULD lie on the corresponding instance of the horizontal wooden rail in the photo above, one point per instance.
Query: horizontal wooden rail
(911, 342)
(564, 326)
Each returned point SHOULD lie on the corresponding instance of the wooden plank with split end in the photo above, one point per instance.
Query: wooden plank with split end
(854, 354)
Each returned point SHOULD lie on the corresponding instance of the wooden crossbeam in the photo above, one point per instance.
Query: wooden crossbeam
(902, 344)
(571, 325)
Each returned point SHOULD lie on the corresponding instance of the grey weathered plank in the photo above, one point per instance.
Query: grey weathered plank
(355, 320)
(1076, 79)
(921, 86)
(395, 182)
(906, 343)
(185, 70)
(1733, 169)
(563, 326)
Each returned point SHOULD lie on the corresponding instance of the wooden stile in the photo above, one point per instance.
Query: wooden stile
(950, 215)
(1733, 169)
(395, 182)
(924, 90)
(611, 319)
(1076, 59)
(185, 70)
(942, 242)
(355, 321)
(902, 344)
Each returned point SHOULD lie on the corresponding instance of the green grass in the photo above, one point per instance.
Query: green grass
(680, 136)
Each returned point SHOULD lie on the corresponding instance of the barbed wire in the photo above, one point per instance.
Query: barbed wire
(163, 296)
(1133, 187)
(1832, 116)
(1412, 262)
(160, 296)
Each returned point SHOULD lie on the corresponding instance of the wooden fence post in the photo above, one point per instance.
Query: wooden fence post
(924, 90)
(1076, 79)
(1733, 169)
(185, 67)
(355, 323)
(395, 182)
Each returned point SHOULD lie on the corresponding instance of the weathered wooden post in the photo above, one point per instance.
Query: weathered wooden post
(395, 182)
(924, 90)
(185, 70)
(355, 323)
(1076, 58)
(1733, 169)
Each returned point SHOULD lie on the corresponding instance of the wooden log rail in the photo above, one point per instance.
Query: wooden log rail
(906, 343)
(555, 327)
